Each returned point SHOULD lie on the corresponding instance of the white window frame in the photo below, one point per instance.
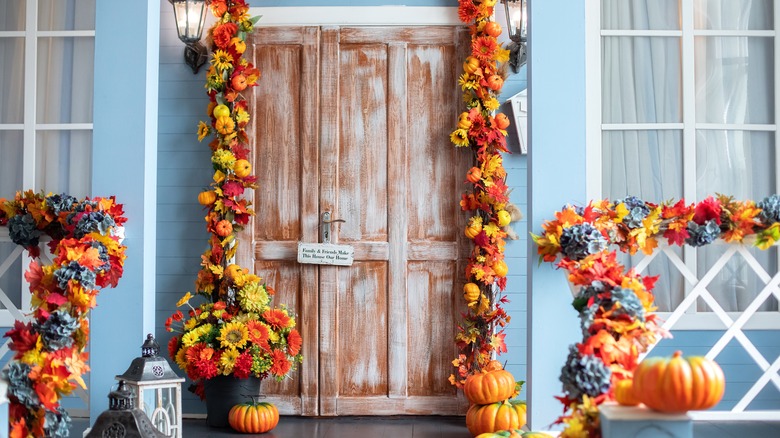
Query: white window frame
(594, 128)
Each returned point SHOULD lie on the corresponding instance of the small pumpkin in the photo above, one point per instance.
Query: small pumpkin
(502, 121)
(471, 292)
(624, 393)
(223, 228)
(463, 121)
(474, 228)
(679, 384)
(495, 82)
(493, 29)
(474, 175)
(207, 197)
(253, 417)
(242, 168)
(238, 82)
(506, 415)
(471, 65)
(500, 268)
(489, 386)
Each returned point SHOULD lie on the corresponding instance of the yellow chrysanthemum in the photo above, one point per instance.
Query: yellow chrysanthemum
(181, 358)
(190, 323)
(184, 300)
(233, 335)
(253, 297)
(223, 158)
(228, 360)
(190, 338)
(273, 337)
(242, 117)
(222, 60)
(491, 104)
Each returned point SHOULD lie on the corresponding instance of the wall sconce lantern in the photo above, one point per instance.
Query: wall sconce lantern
(517, 23)
(156, 387)
(190, 16)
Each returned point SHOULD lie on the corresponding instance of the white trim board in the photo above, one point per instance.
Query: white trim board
(357, 15)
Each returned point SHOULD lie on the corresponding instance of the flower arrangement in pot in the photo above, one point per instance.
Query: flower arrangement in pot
(236, 336)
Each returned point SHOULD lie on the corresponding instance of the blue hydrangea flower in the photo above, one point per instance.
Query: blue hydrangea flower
(74, 271)
(770, 209)
(57, 424)
(629, 303)
(57, 330)
(700, 235)
(93, 221)
(60, 203)
(20, 385)
(581, 240)
(637, 211)
(584, 374)
(23, 230)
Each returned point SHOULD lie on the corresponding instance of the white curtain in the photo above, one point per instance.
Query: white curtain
(734, 84)
(64, 80)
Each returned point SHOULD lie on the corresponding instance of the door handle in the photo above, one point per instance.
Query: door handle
(325, 222)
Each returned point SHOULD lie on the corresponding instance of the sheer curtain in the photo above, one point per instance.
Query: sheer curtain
(641, 83)
(63, 80)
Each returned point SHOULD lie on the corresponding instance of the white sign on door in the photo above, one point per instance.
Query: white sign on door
(325, 254)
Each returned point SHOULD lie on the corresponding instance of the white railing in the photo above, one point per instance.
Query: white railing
(733, 322)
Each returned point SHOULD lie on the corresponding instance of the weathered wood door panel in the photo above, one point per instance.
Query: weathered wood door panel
(382, 329)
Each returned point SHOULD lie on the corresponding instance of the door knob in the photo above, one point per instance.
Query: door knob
(325, 222)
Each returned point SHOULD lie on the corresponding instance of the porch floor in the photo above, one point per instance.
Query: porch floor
(424, 427)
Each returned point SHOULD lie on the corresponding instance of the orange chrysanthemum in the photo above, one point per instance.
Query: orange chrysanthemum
(276, 318)
(467, 11)
(484, 48)
(258, 334)
(281, 365)
(294, 342)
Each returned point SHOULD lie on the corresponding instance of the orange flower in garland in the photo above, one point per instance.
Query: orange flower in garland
(481, 335)
(236, 331)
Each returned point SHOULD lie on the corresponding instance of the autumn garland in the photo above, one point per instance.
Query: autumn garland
(484, 134)
(236, 331)
(49, 357)
(616, 307)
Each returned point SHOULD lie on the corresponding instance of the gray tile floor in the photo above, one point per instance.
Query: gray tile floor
(424, 427)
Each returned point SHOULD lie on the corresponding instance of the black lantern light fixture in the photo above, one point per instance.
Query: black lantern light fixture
(190, 16)
(517, 23)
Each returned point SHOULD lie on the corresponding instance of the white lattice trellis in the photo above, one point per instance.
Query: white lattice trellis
(734, 323)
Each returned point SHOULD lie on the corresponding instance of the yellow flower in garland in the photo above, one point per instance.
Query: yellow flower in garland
(460, 137)
(222, 60)
(190, 338)
(253, 297)
(181, 358)
(223, 158)
(203, 130)
(238, 44)
(233, 335)
(242, 117)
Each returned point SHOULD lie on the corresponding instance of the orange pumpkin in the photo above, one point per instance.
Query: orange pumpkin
(473, 229)
(253, 417)
(238, 82)
(242, 168)
(500, 268)
(474, 175)
(679, 384)
(471, 292)
(502, 121)
(489, 386)
(207, 197)
(224, 228)
(471, 65)
(463, 121)
(504, 415)
(495, 82)
(493, 29)
(624, 393)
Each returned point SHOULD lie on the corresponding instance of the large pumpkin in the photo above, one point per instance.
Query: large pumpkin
(679, 384)
(489, 386)
(253, 417)
(514, 433)
(493, 417)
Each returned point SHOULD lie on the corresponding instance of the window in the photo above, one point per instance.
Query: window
(681, 104)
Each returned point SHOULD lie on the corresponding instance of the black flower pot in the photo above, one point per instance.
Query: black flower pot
(224, 392)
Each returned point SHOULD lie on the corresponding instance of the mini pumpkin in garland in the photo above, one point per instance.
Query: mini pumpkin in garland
(253, 417)
(679, 384)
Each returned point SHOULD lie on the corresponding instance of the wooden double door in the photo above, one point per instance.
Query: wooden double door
(355, 121)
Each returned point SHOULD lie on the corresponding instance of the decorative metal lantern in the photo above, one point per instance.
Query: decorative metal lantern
(156, 387)
(190, 16)
(517, 22)
(123, 419)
